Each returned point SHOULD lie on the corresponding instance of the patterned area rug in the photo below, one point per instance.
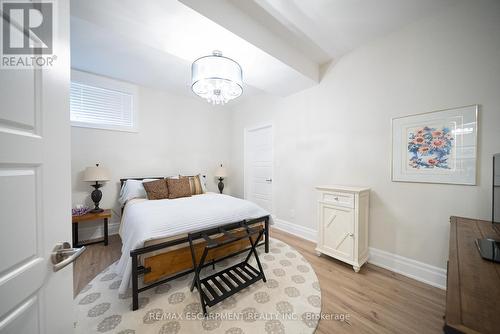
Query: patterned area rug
(289, 302)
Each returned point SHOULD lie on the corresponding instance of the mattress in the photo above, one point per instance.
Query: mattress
(146, 222)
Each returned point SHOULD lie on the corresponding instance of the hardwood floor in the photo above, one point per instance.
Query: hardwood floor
(94, 260)
(377, 300)
(374, 300)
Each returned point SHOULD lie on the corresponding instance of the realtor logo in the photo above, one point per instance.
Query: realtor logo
(27, 34)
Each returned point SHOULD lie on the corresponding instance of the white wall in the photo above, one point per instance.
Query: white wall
(340, 131)
(175, 135)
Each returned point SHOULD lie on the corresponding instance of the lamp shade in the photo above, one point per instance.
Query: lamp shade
(221, 171)
(216, 78)
(96, 173)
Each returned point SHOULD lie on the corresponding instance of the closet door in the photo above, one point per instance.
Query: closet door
(338, 230)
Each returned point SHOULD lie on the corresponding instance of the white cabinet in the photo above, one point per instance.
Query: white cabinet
(343, 223)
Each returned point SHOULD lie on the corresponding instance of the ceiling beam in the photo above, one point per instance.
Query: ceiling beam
(242, 24)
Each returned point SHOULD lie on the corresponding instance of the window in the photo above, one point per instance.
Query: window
(101, 108)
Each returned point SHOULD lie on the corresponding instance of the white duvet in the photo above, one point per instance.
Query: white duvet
(146, 220)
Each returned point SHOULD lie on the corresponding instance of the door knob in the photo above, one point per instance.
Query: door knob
(63, 254)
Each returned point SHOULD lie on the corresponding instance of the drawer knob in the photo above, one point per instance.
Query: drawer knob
(351, 235)
(336, 198)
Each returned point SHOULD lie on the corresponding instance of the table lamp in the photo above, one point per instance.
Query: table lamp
(96, 174)
(221, 173)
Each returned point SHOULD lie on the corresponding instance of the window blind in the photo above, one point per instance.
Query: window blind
(100, 107)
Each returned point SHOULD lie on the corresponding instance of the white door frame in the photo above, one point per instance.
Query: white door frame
(245, 159)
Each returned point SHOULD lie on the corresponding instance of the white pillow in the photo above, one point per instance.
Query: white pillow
(133, 189)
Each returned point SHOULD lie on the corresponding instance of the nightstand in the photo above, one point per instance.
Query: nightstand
(105, 215)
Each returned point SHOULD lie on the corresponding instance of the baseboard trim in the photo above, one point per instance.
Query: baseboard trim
(96, 232)
(300, 231)
(417, 270)
(414, 269)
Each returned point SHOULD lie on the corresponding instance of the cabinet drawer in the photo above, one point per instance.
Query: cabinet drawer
(340, 199)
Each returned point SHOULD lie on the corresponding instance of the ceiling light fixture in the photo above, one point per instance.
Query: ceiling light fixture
(216, 78)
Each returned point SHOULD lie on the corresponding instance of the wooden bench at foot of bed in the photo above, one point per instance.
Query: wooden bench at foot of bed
(178, 260)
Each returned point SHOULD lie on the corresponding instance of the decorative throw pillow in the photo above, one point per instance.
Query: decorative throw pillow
(156, 189)
(178, 188)
(203, 181)
(194, 184)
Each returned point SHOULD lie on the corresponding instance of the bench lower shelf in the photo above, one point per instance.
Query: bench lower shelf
(225, 283)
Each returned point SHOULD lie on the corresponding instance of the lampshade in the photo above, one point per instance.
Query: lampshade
(96, 173)
(216, 78)
(221, 171)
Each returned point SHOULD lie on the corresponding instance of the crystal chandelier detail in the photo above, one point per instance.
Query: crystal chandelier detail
(216, 78)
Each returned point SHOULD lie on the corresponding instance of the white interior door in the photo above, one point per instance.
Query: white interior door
(35, 191)
(259, 166)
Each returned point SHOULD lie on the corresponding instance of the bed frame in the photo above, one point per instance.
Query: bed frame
(176, 258)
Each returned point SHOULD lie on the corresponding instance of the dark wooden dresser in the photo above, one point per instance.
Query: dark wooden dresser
(473, 284)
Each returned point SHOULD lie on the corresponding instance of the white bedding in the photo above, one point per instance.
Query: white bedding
(144, 220)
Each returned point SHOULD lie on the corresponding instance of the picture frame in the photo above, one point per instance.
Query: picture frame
(436, 147)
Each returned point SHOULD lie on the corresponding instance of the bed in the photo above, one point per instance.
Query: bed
(154, 235)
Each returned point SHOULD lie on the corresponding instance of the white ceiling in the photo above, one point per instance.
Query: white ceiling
(154, 43)
(339, 26)
(280, 44)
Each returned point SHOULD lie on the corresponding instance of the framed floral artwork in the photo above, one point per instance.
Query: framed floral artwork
(436, 147)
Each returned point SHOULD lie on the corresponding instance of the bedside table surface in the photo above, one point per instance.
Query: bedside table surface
(91, 216)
